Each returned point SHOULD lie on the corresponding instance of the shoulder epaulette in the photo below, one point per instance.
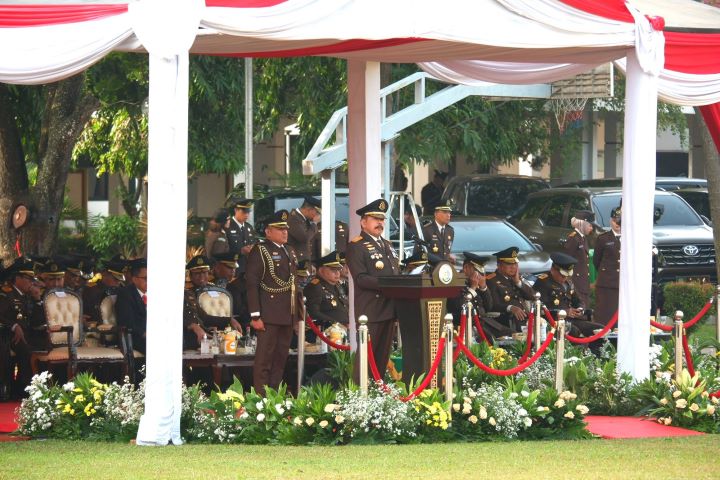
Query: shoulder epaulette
(356, 239)
(314, 281)
(542, 276)
(572, 234)
(7, 288)
(490, 276)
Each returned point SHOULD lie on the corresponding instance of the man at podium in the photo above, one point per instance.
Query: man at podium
(370, 256)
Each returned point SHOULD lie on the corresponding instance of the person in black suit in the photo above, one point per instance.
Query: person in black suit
(431, 193)
(303, 227)
(131, 304)
(241, 235)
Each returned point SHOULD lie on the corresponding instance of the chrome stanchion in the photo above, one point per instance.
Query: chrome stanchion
(448, 333)
(717, 313)
(537, 327)
(678, 335)
(363, 352)
(469, 337)
(560, 350)
(301, 346)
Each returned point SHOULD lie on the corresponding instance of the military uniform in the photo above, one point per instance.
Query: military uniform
(369, 258)
(577, 246)
(270, 278)
(239, 236)
(93, 294)
(216, 242)
(563, 296)
(326, 303)
(439, 239)
(506, 293)
(607, 263)
(301, 234)
(341, 239)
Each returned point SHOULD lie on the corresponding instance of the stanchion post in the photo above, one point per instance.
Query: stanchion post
(301, 346)
(449, 357)
(537, 327)
(469, 337)
(717, 313)
(363, 352)
(678, 334)
(560, 350)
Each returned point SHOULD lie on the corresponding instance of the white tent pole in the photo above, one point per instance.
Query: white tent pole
(249, 174)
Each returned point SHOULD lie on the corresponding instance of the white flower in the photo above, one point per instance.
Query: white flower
(472, 419)
(260, 417)
(522, 412)
(680, 403)
(456, 407)
(677, 393)
(298, 421)
(492, 421)
(339, 419)
(467, 408)
(527, 421)
(331, 407)
(694, 407)
(279, 408)
(710, 409)
(582, 409)
(663, 401)
(513, 395)
(667, 421)
(323, 423)
(525, 394)
(483, 413)
(310, 421)
(244, 415)
(560, 403)
(68, 386)
(259, 405)
(288, 403)
(472, 394)
(569, 415)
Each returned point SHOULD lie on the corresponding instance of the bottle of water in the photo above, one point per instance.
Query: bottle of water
(215, 345)
(205, 345)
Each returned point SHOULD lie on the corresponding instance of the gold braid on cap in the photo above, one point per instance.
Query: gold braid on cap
(284, 286)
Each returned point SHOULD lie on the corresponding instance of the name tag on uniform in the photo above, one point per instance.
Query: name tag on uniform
(276, 256)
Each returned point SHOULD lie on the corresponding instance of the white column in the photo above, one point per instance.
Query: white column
(168, 44)
(637, 219)
(363, 146)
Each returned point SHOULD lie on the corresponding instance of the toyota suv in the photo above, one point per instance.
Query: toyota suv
(684, 241)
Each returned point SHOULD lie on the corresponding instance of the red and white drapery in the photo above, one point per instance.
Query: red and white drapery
(508, 41)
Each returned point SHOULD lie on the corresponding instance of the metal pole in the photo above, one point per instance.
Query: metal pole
(448, 357)
(537, 328)
(363, 352)
(249, 133)
(401, 224)
(469, 337)
(560, 351)
(301, 346)
(678, 334)
(717, 313)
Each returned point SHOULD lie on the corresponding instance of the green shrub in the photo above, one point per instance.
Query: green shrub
(688, 297)
(119, 233)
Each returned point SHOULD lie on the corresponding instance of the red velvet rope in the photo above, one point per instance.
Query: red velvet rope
(528, 345)
(461, 334)
(699, 315)
(480, 330)
(511, 371)
(591, 338)
(371, 361)
(688, 356)
(322, 336)
(664, 328)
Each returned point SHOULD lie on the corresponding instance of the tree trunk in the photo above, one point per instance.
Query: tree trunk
(712, 172)
(67, 109)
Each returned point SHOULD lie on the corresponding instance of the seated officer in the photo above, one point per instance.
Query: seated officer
(78, 270)
(111, 279)
(558, 293)
(195, 321)
(224, 270)
(509, 292)
(52, 274)
(326, 303)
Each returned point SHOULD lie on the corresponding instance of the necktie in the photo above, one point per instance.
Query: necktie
(144, 299)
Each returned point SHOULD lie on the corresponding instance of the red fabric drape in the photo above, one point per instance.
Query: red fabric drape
(339, 47)
(695, 53)
(612, 9)
(41, 15)
(711, 114)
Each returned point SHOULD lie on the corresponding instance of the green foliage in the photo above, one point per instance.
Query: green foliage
(110, 235)
(688, 297)
(340, 366)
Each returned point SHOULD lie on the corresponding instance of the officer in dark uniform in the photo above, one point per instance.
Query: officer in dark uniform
(78, 270)
(52, 274)
(415, 263)
(240, 234)
(509, 292)
(369, 256)
(225, 268)
(303, 227)
(325, 302)
(341, 239)
(577, 247)
(112, 278)
(439, 234)
(607, 263)
(216, 241)
(558, 292)
(272, 301)
(431, 193)
(196, 322)
(22, 325)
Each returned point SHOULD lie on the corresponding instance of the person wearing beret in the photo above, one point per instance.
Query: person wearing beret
(607, 263)
(431, 194)
(22, 325)
(370, 256)
(509, 292)
(131, 304)
(439, 234)
(216, 241)
(302, 227)
(272, 301)
(577, 246)
(195, 320)
(558, 292)
(240, 233)
(111, 279)
(326, 303)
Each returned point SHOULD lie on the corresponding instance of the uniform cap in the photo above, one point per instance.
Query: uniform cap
(278, 219)
(419, 258)
(244, 203)
(509, 255)
(332, 259)
(137, 263)
(228, 258)
(564, 263)
(476, 260)
(302, 269)
(313, 202)
(586, 215)
(444, 207)
(23, 266)
(116, 265)
(616, 212)
(52, 268)
(375, 209)
(198, 263)
(441, 174)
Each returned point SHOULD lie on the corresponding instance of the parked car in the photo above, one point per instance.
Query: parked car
(661, 183)
(684, 241)
(490, 195)
(487, 235)
(699, 200)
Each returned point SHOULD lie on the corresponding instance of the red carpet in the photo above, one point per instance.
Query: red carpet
(7, 416)
(633, 427)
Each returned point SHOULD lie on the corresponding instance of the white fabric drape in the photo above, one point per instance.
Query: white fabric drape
(479, 72)
(168, 43)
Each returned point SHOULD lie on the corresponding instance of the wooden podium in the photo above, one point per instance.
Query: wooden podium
(421, 305)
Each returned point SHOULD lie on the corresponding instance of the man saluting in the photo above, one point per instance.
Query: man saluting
(370, 256)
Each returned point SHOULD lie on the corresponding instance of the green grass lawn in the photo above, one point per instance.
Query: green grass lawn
(690, 457)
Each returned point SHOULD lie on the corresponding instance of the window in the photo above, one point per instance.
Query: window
(533, 209)
(556, 211)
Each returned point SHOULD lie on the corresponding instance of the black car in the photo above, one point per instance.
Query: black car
(661, 183)
(490, 195)
(684, 241)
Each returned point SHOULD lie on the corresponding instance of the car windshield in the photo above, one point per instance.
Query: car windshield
(671, 210)
(487, 237)
(499, 197)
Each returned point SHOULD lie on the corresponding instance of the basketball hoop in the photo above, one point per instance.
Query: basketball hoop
(567, 110)
(569, 96)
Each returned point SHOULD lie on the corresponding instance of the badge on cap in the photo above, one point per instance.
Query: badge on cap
(556, 302)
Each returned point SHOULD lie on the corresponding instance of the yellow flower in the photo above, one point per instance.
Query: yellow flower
(560, 403)
(667, 421)
(444, 425)
(428, 422)
(97, 396)
(234, 394)
(710, 410)
(569, 415)
(681, 403)
(663, 401)
(323, 424)
(309, 421)
(472, 419)
(492, 421)
(694, 407)
(677, 393)
(483, 413)
(79, 398)
(715, 400)
(237, 405)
